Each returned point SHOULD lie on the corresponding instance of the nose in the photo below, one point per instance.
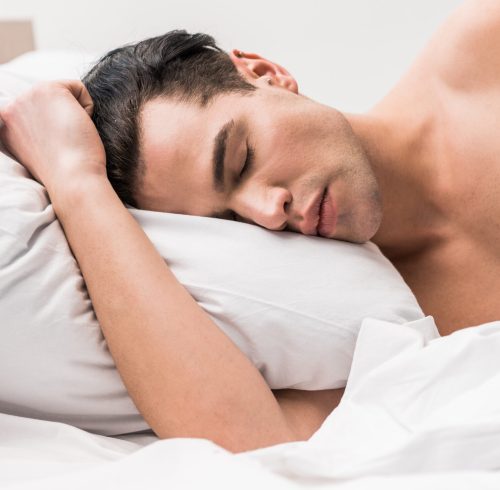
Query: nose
(267, 208)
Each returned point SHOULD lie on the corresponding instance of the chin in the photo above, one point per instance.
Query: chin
(362, 227)
(371, 228)
(357, 238)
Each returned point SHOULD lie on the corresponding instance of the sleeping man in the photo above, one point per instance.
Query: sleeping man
(180, 126)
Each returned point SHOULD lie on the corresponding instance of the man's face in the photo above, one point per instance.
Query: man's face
(273, 158)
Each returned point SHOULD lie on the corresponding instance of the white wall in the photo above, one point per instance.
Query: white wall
(344, 53)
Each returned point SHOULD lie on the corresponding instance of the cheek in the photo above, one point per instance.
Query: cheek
(294, 153)
(294, 141)
(282, 146)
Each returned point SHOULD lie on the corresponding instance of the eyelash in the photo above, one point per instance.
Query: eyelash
(249, 159)
(248, 164)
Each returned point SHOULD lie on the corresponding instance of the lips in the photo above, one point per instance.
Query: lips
(309, 225)
(320, 217)
(327, 216)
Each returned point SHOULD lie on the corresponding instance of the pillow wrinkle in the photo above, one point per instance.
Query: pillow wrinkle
(337, 323)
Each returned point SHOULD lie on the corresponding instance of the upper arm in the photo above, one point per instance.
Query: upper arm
(305, 411)
(465, 52)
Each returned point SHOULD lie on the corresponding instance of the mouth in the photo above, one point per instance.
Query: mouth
(320, 217)
(319, 211)
(327, 216)
(311, 221)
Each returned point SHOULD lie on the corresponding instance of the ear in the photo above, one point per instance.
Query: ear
(254, 67)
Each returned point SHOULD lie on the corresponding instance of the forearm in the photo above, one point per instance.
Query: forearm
(184, 374)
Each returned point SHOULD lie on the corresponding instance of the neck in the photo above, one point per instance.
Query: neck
(402, 154)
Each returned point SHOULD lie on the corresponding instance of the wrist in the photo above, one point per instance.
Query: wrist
(71, 193)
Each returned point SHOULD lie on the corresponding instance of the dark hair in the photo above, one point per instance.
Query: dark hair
(186, 66)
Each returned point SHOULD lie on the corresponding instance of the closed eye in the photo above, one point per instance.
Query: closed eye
(247, 166)
(249, 160)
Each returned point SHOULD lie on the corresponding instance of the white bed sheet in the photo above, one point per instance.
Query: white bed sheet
(417, 413)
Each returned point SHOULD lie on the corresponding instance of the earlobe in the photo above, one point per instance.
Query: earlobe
(284, 79)
(290, 84)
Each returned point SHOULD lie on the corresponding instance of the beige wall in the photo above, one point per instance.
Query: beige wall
(16, 37)
(346, 53)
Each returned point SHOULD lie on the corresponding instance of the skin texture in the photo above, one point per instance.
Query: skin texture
(300, 147)
(431, 144)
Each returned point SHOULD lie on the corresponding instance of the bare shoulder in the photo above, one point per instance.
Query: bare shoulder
(465, 51)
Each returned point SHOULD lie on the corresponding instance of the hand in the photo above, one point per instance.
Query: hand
(50, 131)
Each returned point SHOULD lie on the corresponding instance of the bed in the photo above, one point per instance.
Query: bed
(419, 411)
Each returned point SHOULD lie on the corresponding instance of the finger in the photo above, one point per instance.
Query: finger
(80, 92)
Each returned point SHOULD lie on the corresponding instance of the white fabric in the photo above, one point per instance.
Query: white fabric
(49, 64)
(11, 85)
(419, 412)
(293, 304)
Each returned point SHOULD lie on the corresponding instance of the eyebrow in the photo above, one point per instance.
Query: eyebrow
(219, 155)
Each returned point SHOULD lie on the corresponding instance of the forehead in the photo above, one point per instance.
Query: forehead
(176, 146)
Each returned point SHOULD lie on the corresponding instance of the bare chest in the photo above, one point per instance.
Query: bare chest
(458, 283)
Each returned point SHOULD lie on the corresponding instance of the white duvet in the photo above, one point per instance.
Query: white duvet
(419, 412)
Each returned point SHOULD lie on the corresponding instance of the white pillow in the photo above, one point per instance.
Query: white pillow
(50, 64)
(292, 304)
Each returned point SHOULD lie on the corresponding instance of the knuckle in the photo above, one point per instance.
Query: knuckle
(44, 87)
